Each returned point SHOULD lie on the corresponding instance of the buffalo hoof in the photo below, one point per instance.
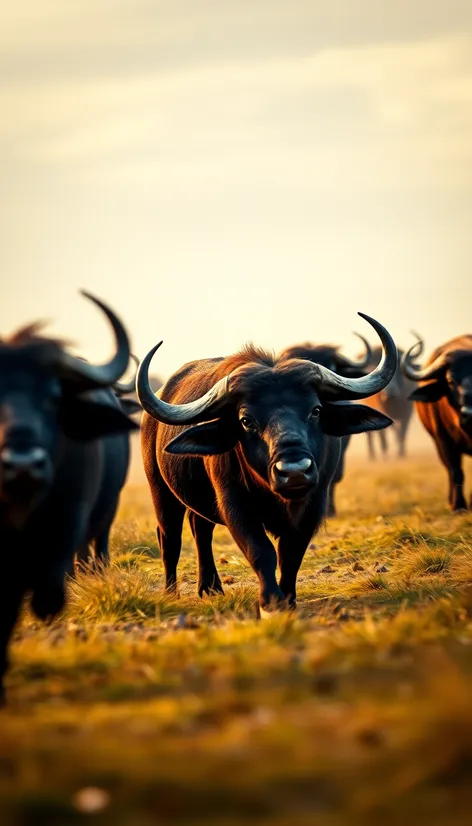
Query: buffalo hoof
(48, 601)
(276, 606)
(267, 613)
(210, 586)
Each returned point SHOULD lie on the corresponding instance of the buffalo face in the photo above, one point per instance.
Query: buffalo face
(29, 406)
(36, 413)
(279, 437)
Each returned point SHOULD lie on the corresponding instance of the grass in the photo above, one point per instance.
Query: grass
(354, 710)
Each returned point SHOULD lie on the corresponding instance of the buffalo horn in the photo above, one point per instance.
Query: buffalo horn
(87, 376)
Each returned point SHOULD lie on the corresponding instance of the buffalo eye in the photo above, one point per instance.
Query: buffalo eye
(247, 423)
(315, 413)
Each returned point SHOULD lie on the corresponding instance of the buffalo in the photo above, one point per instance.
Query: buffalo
(251, 442)
(329, 356)
(394, 401)
(444, 404)
(56, 488)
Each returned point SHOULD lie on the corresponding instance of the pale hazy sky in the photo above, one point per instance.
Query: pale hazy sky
(224, 170)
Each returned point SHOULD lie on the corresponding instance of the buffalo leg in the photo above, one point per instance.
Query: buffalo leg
(400, 429)
(250, 536)
(331, 507)
(169, 516)
(330, 502)
(338, 476)
(83, 557)
(102, 552)
(101, 556)
(49, 580)
(292, 546)
(290, 553)
(383, 442)
(49, 594)
(11, 596)
(208, 580)
(370, 445)
(102, 540)
(169, 535)
(452, 460)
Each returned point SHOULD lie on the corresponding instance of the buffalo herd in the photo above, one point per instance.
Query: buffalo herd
(252, 441)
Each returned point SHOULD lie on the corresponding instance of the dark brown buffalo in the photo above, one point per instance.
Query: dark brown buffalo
(329, 356)
(59, 477)
(444, 404)
(251, 442)
(394, 401)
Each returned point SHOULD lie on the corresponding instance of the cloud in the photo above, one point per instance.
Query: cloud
(391, 115)
(105, 37)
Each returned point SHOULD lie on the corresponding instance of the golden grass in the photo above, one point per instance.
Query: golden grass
(354, 710)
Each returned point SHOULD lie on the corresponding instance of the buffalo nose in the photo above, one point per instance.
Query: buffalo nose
(294, 468)
(31, 462)
(293, 474)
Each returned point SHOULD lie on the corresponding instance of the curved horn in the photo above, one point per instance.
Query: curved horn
(419, 344)
(88, 376)
(339, 387)
(431, 371)
(177, 414)
(365, 360)
(122, 388)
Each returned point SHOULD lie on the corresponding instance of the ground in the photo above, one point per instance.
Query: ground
(136, 708)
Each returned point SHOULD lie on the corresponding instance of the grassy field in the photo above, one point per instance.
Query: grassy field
(138, 709)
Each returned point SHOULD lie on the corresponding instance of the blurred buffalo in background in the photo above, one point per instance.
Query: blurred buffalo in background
(63, 460)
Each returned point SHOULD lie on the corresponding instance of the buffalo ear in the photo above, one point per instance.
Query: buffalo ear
(83, 421)
(206, 439)
(130, 406)
(345, 418)
(431, 392)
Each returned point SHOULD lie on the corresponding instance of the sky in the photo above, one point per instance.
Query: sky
(230, 170)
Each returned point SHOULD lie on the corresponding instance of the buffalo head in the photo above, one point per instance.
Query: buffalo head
(276, 415)
(45, 395)
(448, 375)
